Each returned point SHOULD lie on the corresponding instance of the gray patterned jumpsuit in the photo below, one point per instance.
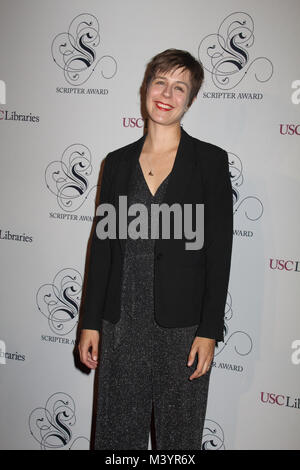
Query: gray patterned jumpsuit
(143, 364)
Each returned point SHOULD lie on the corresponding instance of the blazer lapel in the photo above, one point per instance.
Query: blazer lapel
(180, 177)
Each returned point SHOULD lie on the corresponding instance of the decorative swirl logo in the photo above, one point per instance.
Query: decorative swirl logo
(242, 341)
(74, 51)
(213, 436)
(254, 207)
(67, 178)
(59, 302)
(225, 54)
(50, 426)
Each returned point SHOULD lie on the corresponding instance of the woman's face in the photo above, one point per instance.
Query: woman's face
(168, 96)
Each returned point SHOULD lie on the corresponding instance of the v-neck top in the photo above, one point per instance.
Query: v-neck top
(137, 293)
(140, 168)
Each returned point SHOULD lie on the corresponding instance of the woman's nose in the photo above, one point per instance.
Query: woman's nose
(167, 91)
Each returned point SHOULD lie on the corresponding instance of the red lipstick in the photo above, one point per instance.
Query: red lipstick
(160, 105)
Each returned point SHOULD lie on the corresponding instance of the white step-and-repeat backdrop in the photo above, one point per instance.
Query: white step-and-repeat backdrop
(70, 74)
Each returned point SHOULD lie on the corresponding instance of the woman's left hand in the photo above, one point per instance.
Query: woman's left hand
(205, 348)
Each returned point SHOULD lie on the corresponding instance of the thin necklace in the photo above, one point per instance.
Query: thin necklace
(150, 172)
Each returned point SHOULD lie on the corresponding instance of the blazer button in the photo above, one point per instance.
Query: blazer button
(159, 255)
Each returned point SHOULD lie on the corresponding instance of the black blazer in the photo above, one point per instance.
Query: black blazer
(190, 286)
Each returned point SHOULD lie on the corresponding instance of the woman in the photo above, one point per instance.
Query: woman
(157, 304)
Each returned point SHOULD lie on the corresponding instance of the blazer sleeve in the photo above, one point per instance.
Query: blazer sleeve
(218, 236)
(99, 263)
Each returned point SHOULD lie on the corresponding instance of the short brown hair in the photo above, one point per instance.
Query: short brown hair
(172, 59)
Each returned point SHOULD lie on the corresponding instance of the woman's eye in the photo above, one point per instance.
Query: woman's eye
(179, 88)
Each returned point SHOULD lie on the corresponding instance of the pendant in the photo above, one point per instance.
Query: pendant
(150, 173)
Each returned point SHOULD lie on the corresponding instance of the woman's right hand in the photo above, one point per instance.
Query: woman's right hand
(89, 339)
